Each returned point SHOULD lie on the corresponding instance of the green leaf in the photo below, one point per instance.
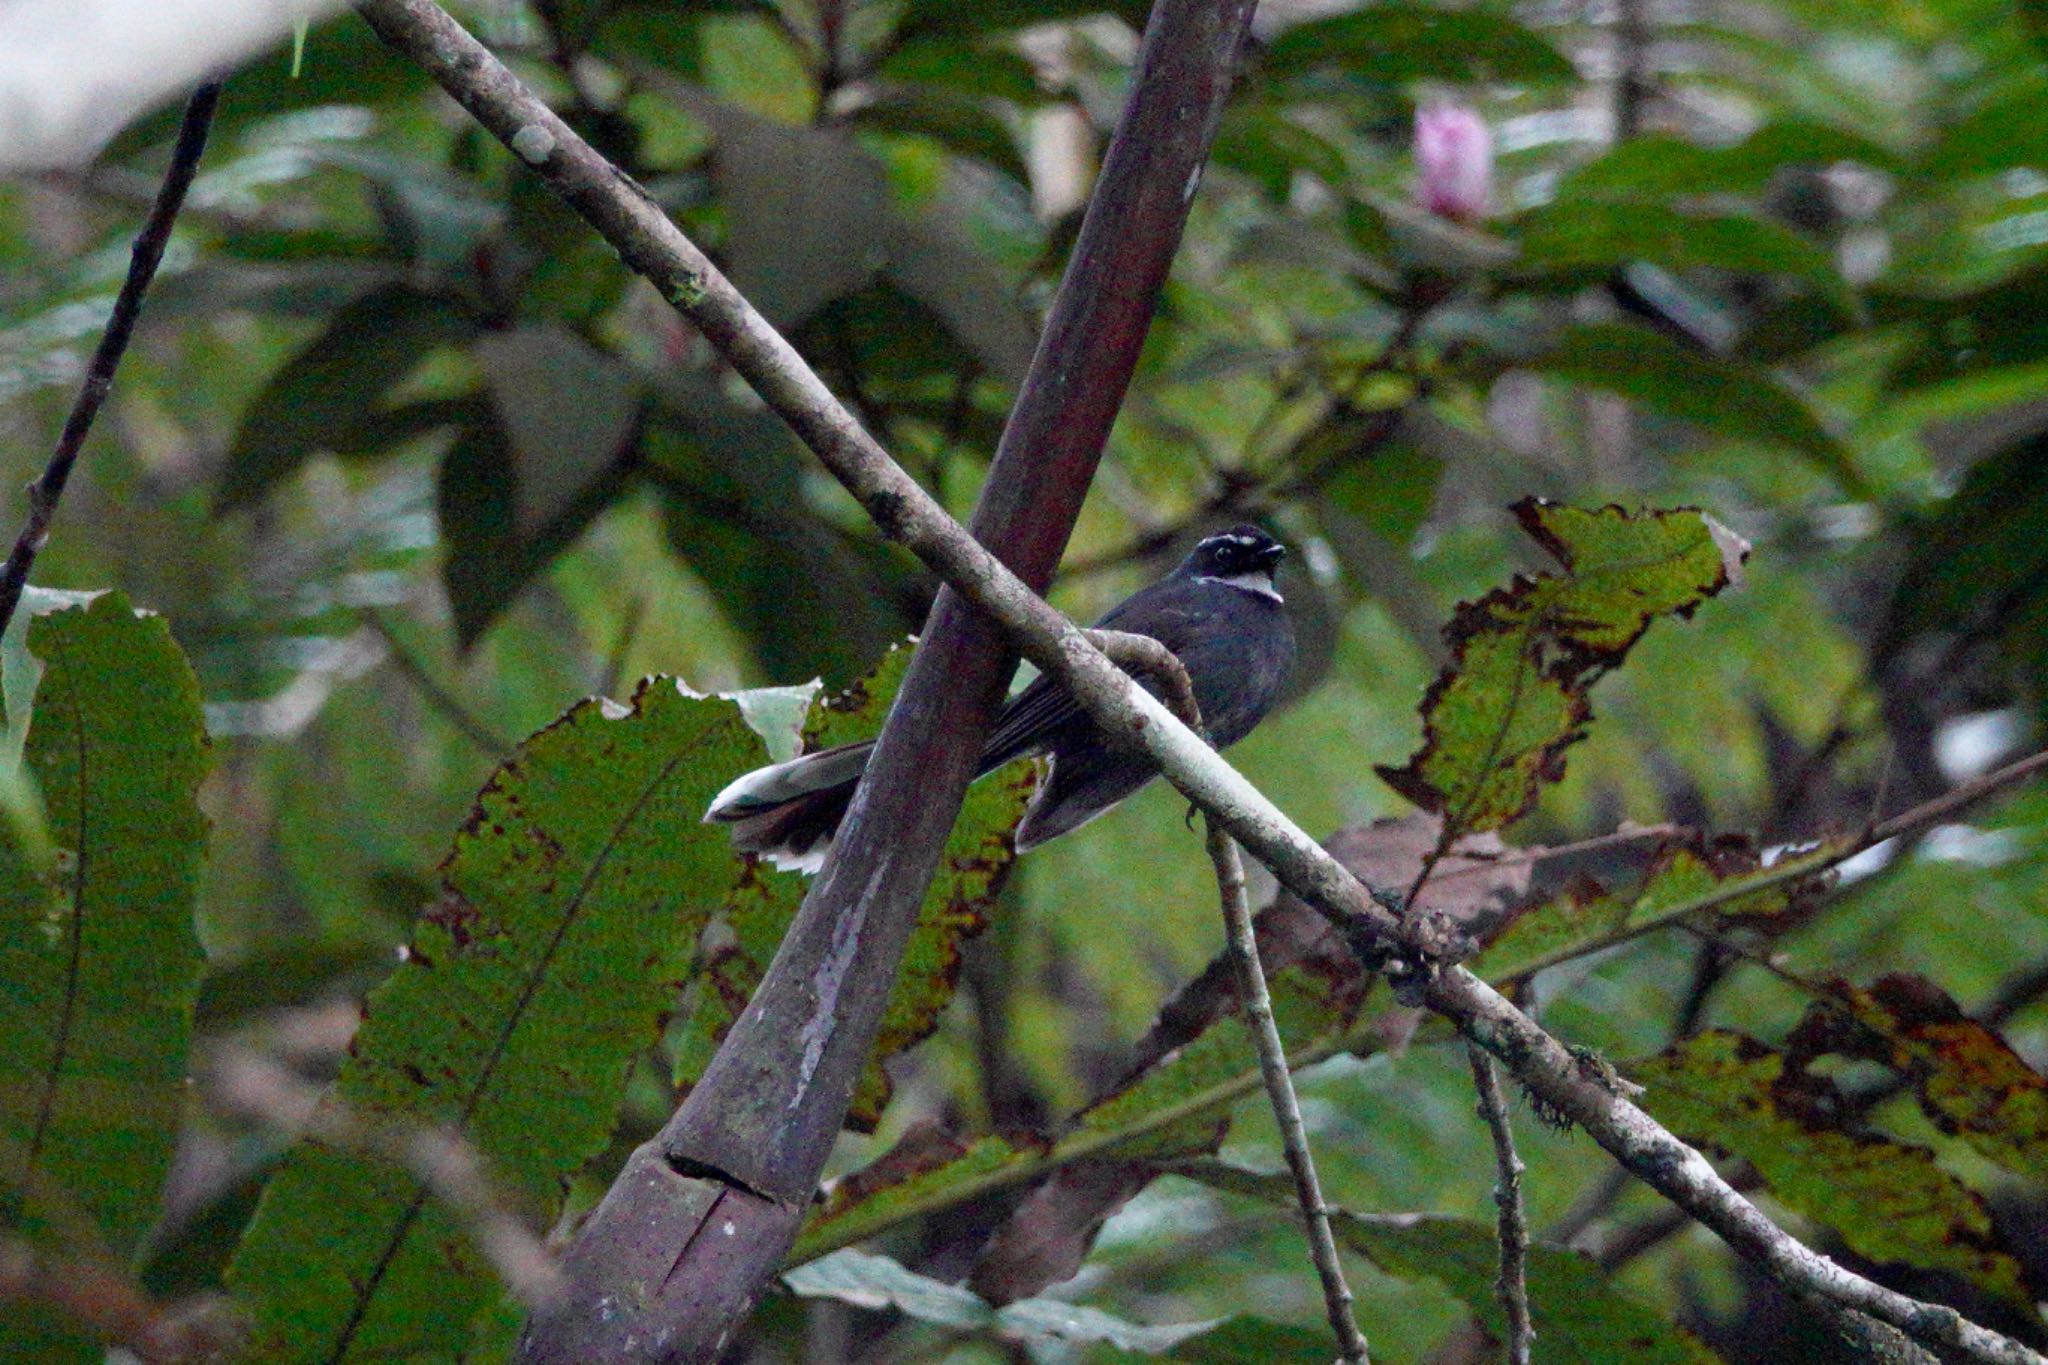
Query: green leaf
(1195, 1063)
(97, 947)
(956, 120)
(492, 529)
(1889, 1200)
(2004, 133)
(877, 1282)
(1261, 141)
(1575, 234)
(1723, 396)
(926, 1170)
(1978, 561)
(735, 509)
(1395, 44)
(1513, 698)
(1581, 1316)
(559, 448)
(764, 901)
(1658, 164)
(329, 397)
(572, 900)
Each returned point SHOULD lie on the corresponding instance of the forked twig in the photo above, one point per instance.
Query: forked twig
(148, 252)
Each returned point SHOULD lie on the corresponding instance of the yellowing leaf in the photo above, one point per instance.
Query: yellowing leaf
(1498, 719)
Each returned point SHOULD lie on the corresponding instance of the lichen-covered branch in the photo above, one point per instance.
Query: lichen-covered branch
(1512, 1286)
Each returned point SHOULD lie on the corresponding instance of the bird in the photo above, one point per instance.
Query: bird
(1218, 611)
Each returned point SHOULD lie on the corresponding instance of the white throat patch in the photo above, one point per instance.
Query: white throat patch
(1258, 583)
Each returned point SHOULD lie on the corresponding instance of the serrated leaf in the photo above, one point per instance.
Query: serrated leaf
(573, 897)
(97, 951)
(1581, 1316)
(1726, 397)
(764, 901)
(1395, 44)
(1498, 719)
(1888, 1200)
(328, 397)
(1968, 1080)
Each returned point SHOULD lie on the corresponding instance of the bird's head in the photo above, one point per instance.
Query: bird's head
(1243, 556)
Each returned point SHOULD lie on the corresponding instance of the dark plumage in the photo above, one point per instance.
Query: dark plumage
(1218, 612)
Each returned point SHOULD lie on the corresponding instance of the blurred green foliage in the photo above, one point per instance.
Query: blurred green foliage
(409, 464)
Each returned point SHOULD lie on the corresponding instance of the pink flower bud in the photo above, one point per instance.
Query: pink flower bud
(1453, 162)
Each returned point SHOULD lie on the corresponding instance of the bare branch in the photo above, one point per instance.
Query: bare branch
(1512, 1286)
(1799, 868)
(145, 256)
(1258, 1007)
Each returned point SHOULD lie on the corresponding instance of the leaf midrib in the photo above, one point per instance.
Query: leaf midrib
(372, 1282)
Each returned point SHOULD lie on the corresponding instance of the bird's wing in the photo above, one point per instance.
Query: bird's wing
(1027, 721)
(1042, 709)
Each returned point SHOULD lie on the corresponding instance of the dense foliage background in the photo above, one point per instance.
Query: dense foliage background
(409, 465)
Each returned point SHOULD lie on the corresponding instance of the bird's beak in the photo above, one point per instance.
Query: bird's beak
(1270, 559)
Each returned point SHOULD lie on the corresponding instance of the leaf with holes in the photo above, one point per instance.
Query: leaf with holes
(573, 897)
(96, 945)
(764, 901)
(1889, 1200)
(1513, 698)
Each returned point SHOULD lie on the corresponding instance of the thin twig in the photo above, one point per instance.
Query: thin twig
(1143, 654)
(1793, 867)
(147, 253)
(439, 697)
(1512, 1286)
(1258, 1008)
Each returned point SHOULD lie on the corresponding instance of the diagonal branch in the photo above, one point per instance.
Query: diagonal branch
(148, 252)
(1579, 1090)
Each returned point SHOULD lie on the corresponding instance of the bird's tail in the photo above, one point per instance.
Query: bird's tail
(788, 812)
